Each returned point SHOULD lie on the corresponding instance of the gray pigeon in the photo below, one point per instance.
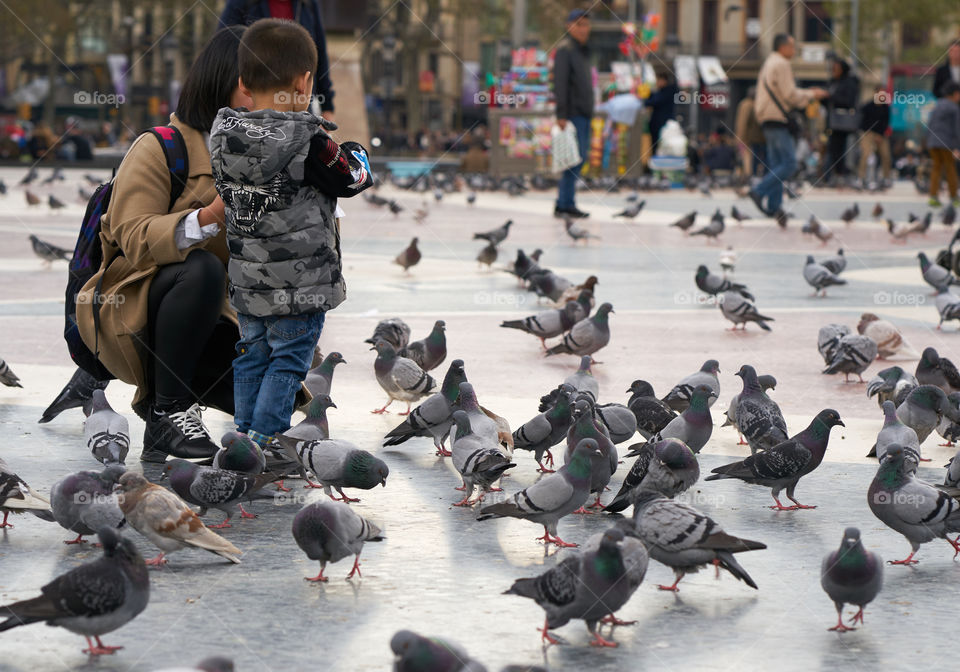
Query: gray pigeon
(686, 539)
(715, 285)
(836, 264)
(314, 427)
(16, 496)
(819, 277)
(84, 502)
(549, 323)
(631, 211)
(783, 465)
(7, 376)
(78, 392)
(336, 464)
(480, 422)
(478, 460)
(924, 408)
(495, 236)
(851, 575)
(577, 232)
(932, 369)
(106, 432)
(587, 336)
(854, 354)
(401, 378)
(211, 488)
(93, 599)
(713, 228)
(604, 465)
(741, 310)
(667, 466)
(587, 586)
(410, 256)
(895, 433)
(320, 378)
(434, 416)
(546, 430)
(890, 383)
(394, 331)
(582, 380)
(331, 531)
(547, 284)
(415, 653)
(694, 426)
(635, 561)
(948, 306)
(935, 275)
(948, 429)
(686, 222)
(828, 340)
(553, 496)
(678, 398)
(952, 478)
(619, 421)
(651, 413)
(914, 508)
(758, 416)
(239, 453)
(430, 352)
(767, 382)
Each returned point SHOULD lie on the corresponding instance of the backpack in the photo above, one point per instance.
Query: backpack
(88, 252)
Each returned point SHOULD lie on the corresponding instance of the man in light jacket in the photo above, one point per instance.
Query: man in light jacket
(573, 90)
(776, 78)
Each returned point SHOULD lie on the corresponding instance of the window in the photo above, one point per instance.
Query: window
(817, 24)
(708, 26)
(914, 36)
(672, 18)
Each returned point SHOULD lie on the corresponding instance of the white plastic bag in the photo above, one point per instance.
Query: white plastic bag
(565, 149)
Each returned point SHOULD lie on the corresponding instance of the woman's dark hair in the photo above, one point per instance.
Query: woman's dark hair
(211, 80)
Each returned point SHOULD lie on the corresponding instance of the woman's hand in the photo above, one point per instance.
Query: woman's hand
(213, 213)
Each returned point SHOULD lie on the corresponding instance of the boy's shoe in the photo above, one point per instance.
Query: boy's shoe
(934, 202)
(178, 432)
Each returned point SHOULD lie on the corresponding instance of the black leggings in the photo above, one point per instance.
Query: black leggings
(192, 346)
(836, 163)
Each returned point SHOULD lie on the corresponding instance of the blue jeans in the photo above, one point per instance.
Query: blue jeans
(566, 194)
(781, 162)
(273, 357)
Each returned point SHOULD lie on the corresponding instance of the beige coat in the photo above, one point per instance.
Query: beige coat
(778, 74)
(138, 238)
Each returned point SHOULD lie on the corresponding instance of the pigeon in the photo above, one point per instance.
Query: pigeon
(631, 211)
(714, 228)
(888, 338)
(932, 369)
(948, 305)
(83, 195)
(56, 175)
(315, 426)
(93, 599)
(851, 575)
(914, 508)
(713, 285)
(401, 378)
(604, 464)
(767, 382)
(588, 586)
(495, 236)
(935, 275)
(651, 413)
(477, 459)
(948, 215)
(898, 232)
(948, 429)
(546, 430)
(694, 425)
(472, 198)
(582, 379)
(587, 336)
(395, 207)
(921, 226)
(212, 488)
(525, 265)
(409, 257)
(373, 199)
(737, 215)
(211, 664)
(828, 340)
(818, 277)
(55, 203)
(582, 294)
(7, 376)
(667, 466)
(728, 260)
(32, 198)
(430, 352)
(686, 222)
(434, 416)
(739, 309)
(415, 653)
(548, 323)
(618, 420)
(547, 284)
(48, 252)
(895, 433)
(487, 255)
(679, 397)
(783, 465)
(92, 179)
(394, 331)
(3, 188)
(84, 502)
(331, 531)
(850, 214)
(239, 453)
(553, 496)
(336, 464)
(577, 232)
(924, 408)
(16, 496)
(31, 175)
(877, 211)
(758, 416)
(889, 384)
(835, 264)
(78, 392)
(854, 354)
(106, 432)
(167, 521)
(320, 378)
(686, 539)
(818, 229)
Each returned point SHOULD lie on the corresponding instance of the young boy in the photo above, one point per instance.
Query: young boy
(943, 142)
(280, 175)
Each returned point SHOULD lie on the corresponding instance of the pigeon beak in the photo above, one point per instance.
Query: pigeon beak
(383, 482)
(343, 361)
(332, 405)
(840, 422)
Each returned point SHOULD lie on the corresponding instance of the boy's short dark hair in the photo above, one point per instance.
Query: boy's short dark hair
(274, 52)
(949, 89)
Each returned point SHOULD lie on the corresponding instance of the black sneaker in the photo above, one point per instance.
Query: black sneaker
(179, 432)
(573, 212)
(757, 201)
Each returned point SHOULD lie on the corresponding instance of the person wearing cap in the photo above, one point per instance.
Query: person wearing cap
(573, 90)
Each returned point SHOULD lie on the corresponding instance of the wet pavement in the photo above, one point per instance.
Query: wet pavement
(440, 572)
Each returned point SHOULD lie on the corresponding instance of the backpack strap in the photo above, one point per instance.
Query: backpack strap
(175, 152)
